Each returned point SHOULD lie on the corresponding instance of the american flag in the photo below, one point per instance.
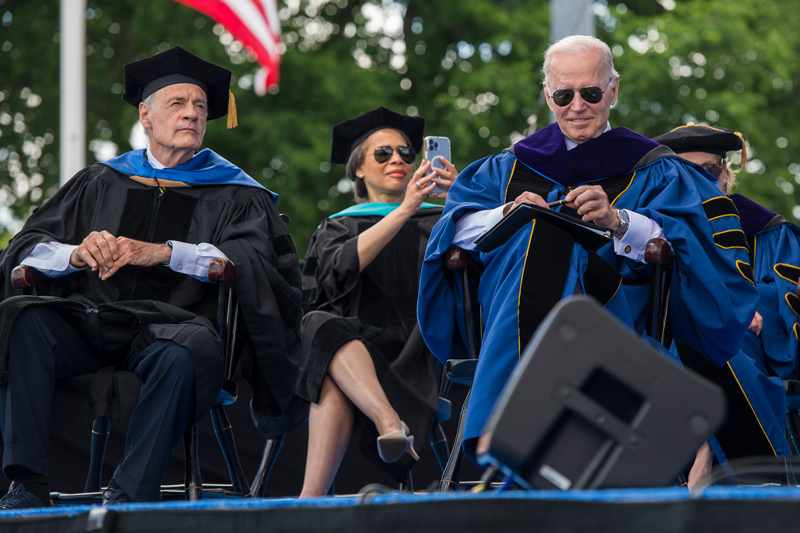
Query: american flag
(256, 24)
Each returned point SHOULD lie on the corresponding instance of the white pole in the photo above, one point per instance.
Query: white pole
(73, 88)
(571, 17)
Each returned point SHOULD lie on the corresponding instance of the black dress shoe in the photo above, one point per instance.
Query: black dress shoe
(115, 497)
(19, 498)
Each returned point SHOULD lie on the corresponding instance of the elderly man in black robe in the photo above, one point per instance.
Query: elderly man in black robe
(128, 243)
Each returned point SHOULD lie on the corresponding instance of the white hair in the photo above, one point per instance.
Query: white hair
(576, 44)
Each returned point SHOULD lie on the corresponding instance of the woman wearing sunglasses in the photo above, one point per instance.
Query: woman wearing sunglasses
(369, 378)
(769, 351)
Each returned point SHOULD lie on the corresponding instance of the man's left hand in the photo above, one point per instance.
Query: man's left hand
(592, 205)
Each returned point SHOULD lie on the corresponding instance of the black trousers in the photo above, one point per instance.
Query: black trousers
(45, 347)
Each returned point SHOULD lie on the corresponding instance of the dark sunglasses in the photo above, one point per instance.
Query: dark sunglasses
(716, 169)
(593, 95)
(384, 153)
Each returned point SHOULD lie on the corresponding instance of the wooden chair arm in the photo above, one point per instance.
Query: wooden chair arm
(657, 251)
(221, 271)
(455, 258)
(25, 276)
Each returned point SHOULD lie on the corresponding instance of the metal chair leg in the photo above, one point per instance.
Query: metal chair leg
(408, 484)
(451, 475)
(438, 441)
(222, 428)
(193, 482)
(272, 448)
(100, 430)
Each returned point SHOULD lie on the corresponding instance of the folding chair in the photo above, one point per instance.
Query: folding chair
(103, 385)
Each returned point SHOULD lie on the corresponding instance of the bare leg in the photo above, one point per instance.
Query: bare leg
(701, 468)
(330, 423)
(351, 380)
(353, 372)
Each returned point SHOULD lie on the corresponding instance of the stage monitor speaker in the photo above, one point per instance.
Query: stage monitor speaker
(591, 405)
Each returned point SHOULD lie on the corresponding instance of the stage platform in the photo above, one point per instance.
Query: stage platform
(729, 509)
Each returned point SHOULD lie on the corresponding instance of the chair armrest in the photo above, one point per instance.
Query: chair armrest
(25, 276)
(221, 271)
(461, 371)
(455, 257)
(657, 251)
(792, 389)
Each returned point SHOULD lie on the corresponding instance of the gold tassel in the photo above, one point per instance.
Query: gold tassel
(233, 121)
(744, 149)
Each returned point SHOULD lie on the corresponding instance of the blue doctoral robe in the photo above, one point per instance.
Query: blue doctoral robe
(712, 300)
(775, 253)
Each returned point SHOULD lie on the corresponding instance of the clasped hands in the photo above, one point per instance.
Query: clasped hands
(590, 201)
(106, 254)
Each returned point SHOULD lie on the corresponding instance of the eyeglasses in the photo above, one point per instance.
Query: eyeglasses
(715, 169)
(384, 153)
(593, 95)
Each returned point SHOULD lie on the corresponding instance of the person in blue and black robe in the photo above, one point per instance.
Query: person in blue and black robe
(614, 178)
(752, 379)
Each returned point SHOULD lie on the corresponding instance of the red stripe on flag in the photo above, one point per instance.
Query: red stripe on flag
(266, 53)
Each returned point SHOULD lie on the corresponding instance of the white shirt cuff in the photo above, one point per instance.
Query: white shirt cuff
(51, 258)
(472, 225)
(640, 230)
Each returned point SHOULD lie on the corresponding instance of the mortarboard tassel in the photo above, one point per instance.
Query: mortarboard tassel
(744, 149)
(232, 119)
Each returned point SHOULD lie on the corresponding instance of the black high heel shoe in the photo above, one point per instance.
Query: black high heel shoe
(393, 445)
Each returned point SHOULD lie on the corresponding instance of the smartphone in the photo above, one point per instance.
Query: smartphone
(434, 149)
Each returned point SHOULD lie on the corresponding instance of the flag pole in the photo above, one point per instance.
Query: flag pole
(73, 88)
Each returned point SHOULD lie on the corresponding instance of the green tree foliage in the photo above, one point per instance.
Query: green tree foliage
(728, 64)
(472, 68)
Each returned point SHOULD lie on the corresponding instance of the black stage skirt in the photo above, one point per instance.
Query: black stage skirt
(404, 370)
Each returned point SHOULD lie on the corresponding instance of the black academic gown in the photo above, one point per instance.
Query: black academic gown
(241, 221)
(378, 307)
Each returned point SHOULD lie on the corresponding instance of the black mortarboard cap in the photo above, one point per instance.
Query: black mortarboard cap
(701, 138)
(348, 134)
(176, 65)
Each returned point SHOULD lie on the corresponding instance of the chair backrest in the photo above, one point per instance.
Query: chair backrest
(461, 264)
(659, 253)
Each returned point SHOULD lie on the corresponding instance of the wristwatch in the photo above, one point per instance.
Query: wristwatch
(624, 222)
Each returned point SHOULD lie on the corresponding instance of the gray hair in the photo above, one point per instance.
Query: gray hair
(729, 182)
(151, 102)
(577, 44)
(356, 159)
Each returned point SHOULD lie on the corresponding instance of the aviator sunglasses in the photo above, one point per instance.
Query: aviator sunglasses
(384, 153)
(593, 95)
(715, 169)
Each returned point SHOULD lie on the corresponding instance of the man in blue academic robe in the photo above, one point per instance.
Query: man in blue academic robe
(614, 178)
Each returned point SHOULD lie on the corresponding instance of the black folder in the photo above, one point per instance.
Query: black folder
(587, 234)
